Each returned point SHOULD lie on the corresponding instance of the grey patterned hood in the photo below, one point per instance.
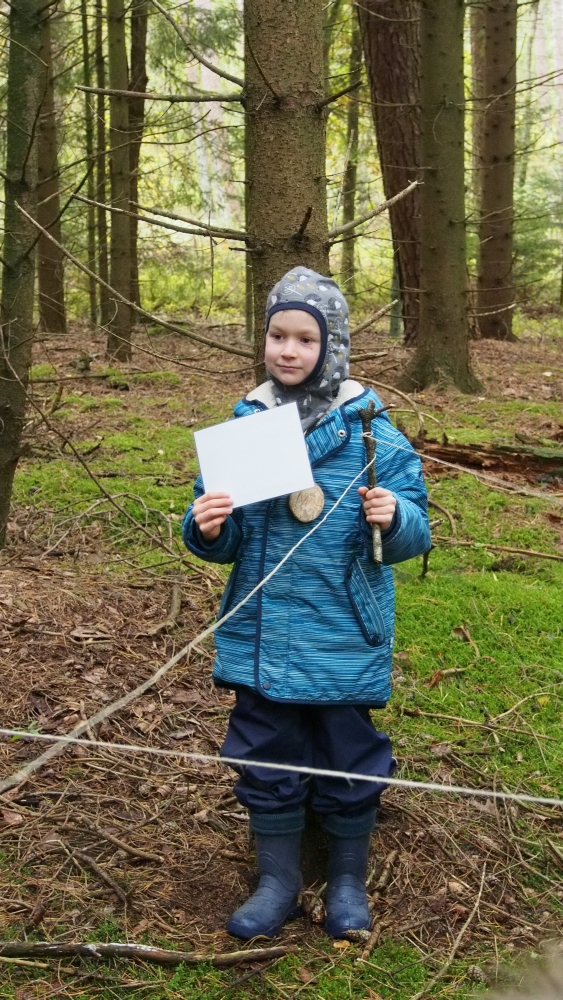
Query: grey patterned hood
(304, 289)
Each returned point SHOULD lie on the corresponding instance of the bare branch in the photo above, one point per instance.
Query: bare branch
(203, 231)
(372, 319)
(143, 952)
(170, 98)
(234, 233)
(340, 230)
(132, 305)
(339, 93)
(194, 52)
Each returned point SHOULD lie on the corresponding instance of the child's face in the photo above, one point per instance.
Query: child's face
(292, 346)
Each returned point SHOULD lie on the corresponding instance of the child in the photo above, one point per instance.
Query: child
(311, 652)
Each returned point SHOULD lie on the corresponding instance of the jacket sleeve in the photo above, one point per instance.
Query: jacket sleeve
(225, 547)
(399, 469)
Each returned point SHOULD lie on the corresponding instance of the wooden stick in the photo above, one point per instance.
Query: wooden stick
(45, 949)
(169, 98)
(106, 835)
(102, 875)
(366, 416)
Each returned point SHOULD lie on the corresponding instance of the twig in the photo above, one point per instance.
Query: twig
(194, 52)
(45, 949)
(170, 98)
(347, 228)
(201, 225)
(339, 93)
(385, 877)
(415, 712)
(134, 851)
(132, 305)
(102, 875)
(444, 510)
(403, 395)
(500, 548)
(248, 975)
(372, 941)
(442, 972)
(304, 223)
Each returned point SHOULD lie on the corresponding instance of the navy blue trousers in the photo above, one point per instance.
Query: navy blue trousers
(336, 737)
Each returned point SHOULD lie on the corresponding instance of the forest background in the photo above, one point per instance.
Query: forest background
(163, 164)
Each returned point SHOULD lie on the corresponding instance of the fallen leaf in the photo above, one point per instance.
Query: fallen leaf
(543, 700)
(437, 676)
(441, 749)
(304, 975)
(456, 888)
(201, 816)
(180, 734)
(340, 945)
(9, 817)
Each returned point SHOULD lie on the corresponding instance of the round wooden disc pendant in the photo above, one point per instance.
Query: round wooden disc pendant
(306, 505)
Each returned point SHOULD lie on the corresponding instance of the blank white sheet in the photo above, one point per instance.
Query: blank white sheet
(256, 457)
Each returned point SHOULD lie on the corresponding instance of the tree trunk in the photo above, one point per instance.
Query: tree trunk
(391, 40)
(18, 265)
(477, 33)
(286, 144)
(530, 99)
(495, 284)
(89, 137)
(138, 82)
(347, 265)
(101, 219)
(119, 336)
(331, 14)
(50, 268)
(442, 347)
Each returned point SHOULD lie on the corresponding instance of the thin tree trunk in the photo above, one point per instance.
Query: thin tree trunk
(347, 265)
(119, 337)
(391, 40)
(442, 346)
(50, 266)
(101, 166)
(18, 263)
(530, 99)
(89, 137)
(138, 83)
(477, 33)
(286, 144)
(495, 283)
(331, 14)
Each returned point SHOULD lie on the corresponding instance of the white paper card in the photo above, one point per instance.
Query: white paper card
(256, 457)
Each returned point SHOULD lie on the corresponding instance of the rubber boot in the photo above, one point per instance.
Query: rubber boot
(346, 895)
(278, 846)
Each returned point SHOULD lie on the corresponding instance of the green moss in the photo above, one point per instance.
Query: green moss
(42, 371)
(155, 378)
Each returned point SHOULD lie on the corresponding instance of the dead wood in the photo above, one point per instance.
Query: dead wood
(106, 835)
(531, 553)
(141, 952)
(102, 875)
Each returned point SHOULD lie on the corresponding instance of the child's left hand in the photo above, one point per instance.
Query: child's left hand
(379, 506)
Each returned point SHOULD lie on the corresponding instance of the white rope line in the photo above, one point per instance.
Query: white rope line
(321, 772)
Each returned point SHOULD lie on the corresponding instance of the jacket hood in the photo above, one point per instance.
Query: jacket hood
(302, 288)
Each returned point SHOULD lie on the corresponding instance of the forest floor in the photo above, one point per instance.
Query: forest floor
(89, 589)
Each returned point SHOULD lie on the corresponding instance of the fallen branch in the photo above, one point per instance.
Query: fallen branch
(194, 52)
(444, 510)
(349, 226)
(76, 854)
(106, 835)
(142, 952)
(372, 941)
(170, 98)
(132, 305)
(498, 548)
(385, 877)
(442, 972)
(497, 483)
(418, 713)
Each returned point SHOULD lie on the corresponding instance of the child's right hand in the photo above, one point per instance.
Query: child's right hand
(210, 512)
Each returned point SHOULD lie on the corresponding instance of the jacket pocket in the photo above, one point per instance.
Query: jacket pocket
(365, 605)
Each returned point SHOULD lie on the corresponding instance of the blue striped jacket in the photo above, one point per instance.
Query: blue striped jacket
(321, 630)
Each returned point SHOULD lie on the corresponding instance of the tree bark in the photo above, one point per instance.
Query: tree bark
(391, 39)
(286, 144)
(50, 268)
(18, 265)
(119, 336)
(495, 284)
(89, 137)
(138, 82)
(347, 264)
(442, 347)
(101, 215)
